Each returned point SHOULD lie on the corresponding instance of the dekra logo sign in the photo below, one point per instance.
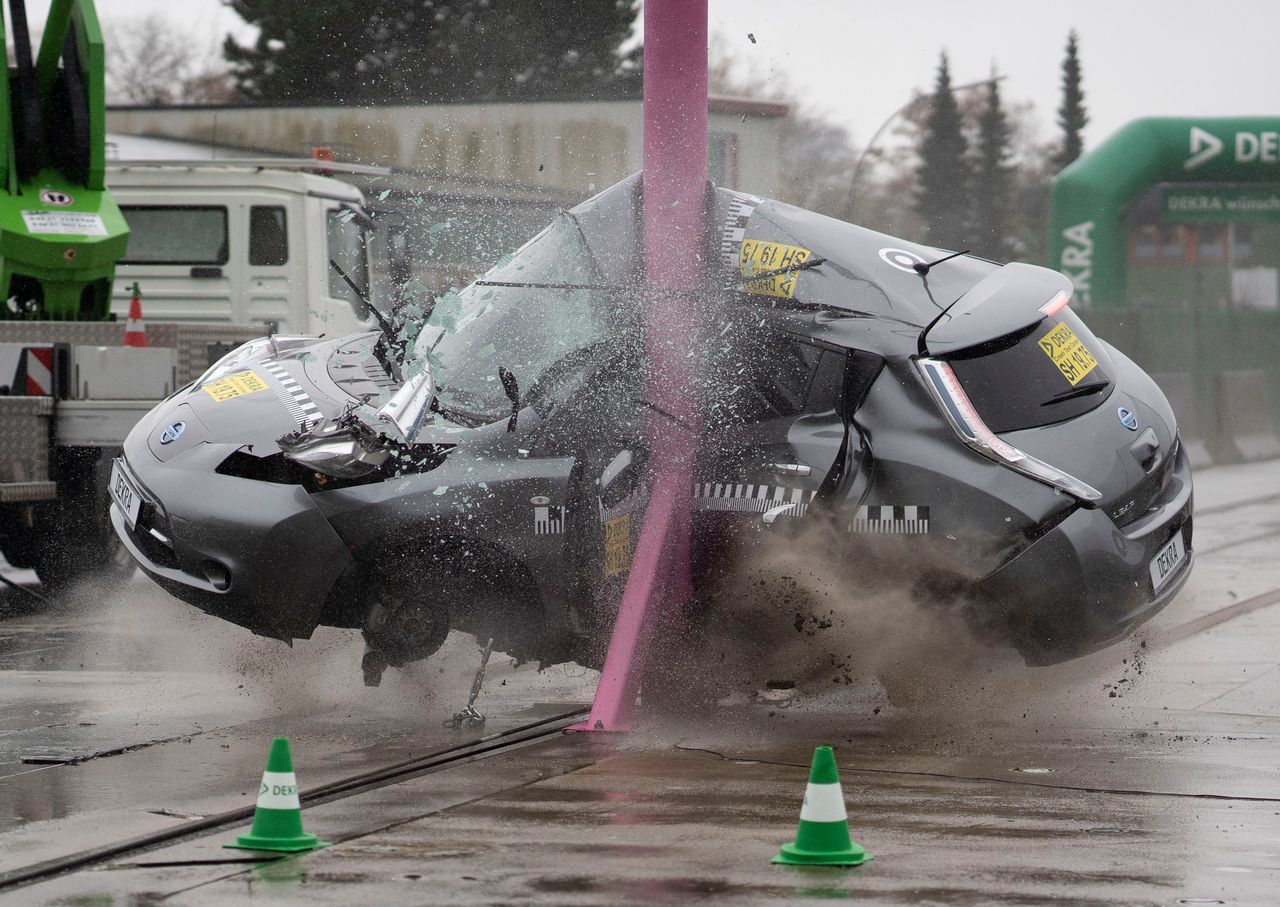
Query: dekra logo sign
(1205, 146)
(1077, 258)
(1248, 147)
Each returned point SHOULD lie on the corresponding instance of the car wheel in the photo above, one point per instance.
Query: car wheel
(406, 621)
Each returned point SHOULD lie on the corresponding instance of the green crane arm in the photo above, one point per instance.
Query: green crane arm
(61, 233)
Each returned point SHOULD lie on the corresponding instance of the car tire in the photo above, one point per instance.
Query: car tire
(405, 621)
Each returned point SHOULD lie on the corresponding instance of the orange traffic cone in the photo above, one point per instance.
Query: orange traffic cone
(135, 332)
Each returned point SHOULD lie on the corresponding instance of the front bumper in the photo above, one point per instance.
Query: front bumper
(280, 555)
(1086, 583)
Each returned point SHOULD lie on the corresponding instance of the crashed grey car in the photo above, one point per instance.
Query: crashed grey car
(489, 473)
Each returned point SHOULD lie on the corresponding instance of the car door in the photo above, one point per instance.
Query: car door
(341, 308)
(591, 412)
(775, 436)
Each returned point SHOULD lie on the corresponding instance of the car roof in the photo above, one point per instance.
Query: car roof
(864, 272)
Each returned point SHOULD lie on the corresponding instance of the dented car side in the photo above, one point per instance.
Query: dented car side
(960, 417)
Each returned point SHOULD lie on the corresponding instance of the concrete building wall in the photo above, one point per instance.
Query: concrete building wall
(574, 146)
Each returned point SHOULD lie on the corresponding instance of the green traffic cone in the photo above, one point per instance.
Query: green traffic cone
(277, 821)
(822, 838)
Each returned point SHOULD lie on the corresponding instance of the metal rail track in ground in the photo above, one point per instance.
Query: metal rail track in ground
(460, 754)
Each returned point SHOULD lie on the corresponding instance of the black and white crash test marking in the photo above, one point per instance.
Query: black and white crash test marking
(901, 259)
(750, 498)
(548, 520)
(735, 227)
(300, 406)
(884, 519)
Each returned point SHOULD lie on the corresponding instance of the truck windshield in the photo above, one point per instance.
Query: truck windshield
(524, 329)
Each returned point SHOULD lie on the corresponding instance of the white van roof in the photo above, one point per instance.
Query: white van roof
(280, 174)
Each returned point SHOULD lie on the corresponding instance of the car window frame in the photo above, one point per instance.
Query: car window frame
(821, 348)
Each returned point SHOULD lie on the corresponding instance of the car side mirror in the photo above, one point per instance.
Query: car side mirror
(620, 477)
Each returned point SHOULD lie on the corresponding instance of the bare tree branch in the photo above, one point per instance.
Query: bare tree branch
(819, 153)
(154, 62)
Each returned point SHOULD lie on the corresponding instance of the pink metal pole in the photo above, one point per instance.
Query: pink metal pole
(675, 174)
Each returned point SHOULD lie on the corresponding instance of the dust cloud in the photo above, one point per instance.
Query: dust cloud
(858, 636)
(158, 658)
(812, 609)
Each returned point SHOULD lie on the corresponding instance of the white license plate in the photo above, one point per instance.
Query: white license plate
(125, 495)
(1165, 564)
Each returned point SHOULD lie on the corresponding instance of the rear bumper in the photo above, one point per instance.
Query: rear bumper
(1087, 583)
(281, 556)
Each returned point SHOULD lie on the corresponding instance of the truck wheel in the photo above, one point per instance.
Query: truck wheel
(73, 538)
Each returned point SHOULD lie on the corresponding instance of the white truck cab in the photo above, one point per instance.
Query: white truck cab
(243, 241)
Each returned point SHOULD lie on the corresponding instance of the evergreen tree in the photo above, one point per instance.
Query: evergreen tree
(993, 179)
(943, 196)
(384, 51)
(1072, 117)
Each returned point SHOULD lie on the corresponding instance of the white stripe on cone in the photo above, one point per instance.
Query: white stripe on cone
(823, 803)
(279, 790)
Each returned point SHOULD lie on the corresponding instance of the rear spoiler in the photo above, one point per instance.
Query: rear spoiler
(1007, 301)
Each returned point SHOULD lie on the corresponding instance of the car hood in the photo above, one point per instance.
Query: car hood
(270, 388)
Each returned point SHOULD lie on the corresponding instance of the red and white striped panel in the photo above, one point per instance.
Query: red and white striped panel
(39, 371)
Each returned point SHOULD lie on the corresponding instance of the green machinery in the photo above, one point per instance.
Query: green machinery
(61, 232)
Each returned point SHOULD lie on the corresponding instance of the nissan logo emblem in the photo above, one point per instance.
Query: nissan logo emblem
(174, 432)
(1127, 418)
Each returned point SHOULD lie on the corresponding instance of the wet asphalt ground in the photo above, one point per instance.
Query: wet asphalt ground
(1148, 773)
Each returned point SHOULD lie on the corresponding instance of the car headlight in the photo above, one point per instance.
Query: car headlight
(340, 456)
(960, 412)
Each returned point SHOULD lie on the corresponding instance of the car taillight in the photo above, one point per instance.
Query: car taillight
(964, 418)
(1060, 301)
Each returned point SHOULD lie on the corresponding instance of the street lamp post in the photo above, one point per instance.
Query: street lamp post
(875, 137)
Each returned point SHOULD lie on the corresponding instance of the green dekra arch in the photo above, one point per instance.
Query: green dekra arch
(1088, 237)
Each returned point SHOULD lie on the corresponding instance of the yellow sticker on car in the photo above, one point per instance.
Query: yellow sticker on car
(757, 257)
(617, 545)
(237, 384)
(1068, 353)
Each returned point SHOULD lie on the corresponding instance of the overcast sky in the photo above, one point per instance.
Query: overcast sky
(859, 61)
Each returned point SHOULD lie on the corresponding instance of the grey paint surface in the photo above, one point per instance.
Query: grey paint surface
(990, 527)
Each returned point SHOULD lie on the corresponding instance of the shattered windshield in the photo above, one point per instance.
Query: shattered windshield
(526, 325)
